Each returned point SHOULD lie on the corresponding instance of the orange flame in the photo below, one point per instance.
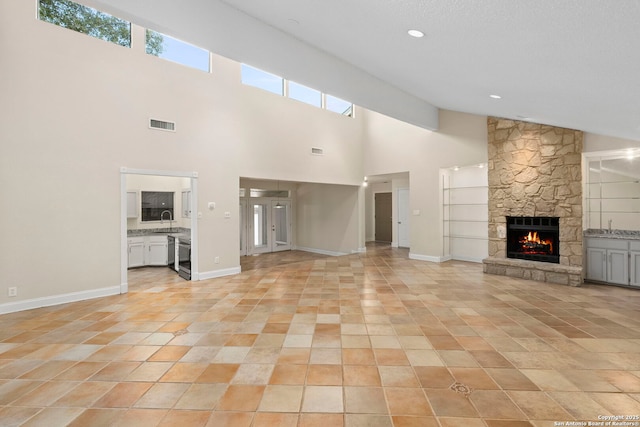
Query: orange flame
(533, 237)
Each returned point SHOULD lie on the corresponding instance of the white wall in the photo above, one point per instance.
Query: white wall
(393, 146)
(327, 218)
(593, 143)
(75, 110)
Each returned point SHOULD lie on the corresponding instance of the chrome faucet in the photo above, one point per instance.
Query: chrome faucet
(170, 219)
(610, 221)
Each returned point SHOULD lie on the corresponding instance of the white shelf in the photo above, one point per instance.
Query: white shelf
(463, 202)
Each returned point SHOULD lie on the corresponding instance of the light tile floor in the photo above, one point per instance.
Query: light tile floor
(304, 340)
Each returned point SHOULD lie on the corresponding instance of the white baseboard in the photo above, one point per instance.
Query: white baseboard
(428, 258)
(321, 251)
(446, 258)
(359, 251)
(48, 301)
(468, 259)
(394, 245)
(218, 273)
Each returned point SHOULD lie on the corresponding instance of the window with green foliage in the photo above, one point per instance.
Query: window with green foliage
(85, 20)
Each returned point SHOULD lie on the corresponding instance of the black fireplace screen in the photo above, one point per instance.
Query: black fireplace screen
(533, 238)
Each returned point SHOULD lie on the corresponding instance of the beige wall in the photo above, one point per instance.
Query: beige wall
(593, 142)
(327, 218)
(392, 146)
(75, 110)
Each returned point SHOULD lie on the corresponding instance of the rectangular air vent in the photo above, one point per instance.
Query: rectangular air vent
(317, 151)
(162, 125)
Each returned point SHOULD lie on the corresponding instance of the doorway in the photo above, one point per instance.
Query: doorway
(383, 217)
(125, 214)
(265, 225)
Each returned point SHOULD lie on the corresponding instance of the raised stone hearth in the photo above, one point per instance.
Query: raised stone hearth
(534, 270)
(535, 170)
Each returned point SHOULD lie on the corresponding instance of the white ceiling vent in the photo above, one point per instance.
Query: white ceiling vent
(162, 125)
(317, 151)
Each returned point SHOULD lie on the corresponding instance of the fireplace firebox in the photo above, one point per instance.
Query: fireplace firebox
(533, 238)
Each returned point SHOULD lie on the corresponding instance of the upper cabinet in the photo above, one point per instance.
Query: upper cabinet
(186, 204)
(612, 191)
(132, 204)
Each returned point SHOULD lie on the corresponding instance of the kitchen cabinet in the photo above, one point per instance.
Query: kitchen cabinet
(618, 266)
(597, 264)
(136, 251)
(186, 204)
(132, 204)
(612, 261)
(634, 264)
(147, 250)
(156, 250)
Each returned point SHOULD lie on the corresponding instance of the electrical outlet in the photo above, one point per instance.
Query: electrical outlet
(12, 292)
(217, 260)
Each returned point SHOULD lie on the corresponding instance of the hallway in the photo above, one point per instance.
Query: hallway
(369, 339)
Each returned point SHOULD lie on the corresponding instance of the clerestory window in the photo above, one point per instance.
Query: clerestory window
(86, 20)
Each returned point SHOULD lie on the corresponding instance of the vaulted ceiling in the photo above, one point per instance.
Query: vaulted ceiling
(568, 63)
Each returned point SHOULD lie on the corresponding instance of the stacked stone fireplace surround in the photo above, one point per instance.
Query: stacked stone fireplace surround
(535, 170)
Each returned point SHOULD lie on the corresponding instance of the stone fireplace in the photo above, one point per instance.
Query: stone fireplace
(535, 202)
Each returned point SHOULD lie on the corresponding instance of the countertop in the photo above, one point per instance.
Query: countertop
(613, 234)
(183, 233)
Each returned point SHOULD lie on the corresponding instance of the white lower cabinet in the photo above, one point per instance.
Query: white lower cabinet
(634, 264)
(136, 251)
(597, 264)
(618, 266)
(615, 261)
(156, 250)
(147, 250)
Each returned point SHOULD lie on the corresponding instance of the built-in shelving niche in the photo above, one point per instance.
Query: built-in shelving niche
(465, 213)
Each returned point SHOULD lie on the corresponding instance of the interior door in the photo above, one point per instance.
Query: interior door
(403, 218)
(383, 217)
(280, 225)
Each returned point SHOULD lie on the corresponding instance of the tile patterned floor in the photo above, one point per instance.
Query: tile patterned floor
(373, 339)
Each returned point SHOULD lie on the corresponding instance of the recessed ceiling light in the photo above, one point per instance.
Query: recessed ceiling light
(495, 96)
(416, 33)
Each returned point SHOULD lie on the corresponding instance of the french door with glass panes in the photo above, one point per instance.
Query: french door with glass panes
(268, 225)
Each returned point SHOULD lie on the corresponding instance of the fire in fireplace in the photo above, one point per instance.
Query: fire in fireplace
(533, 238)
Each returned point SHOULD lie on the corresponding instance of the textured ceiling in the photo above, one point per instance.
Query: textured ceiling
(569, 63)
